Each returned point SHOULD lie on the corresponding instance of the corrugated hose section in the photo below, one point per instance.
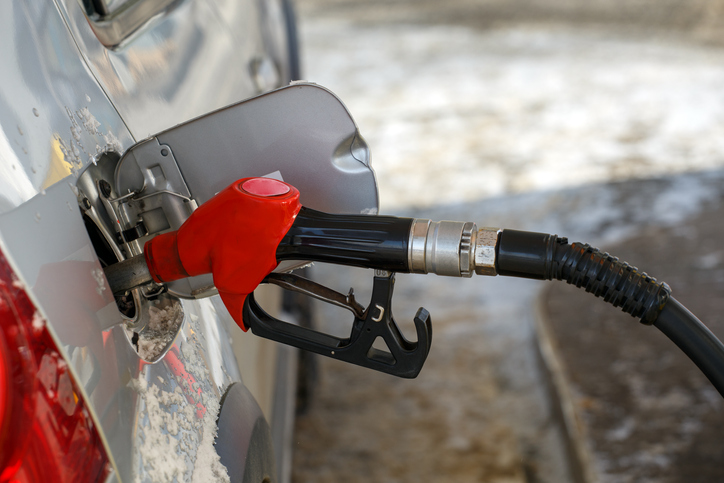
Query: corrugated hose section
(603, 275)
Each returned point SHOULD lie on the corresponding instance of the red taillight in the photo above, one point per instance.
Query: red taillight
(46, 432)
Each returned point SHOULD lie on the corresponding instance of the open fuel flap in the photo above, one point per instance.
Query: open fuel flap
(301, 134)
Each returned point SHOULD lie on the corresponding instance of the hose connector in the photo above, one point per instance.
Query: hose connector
(442, 247)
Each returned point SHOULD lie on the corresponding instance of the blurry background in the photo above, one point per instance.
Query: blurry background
(599, 120)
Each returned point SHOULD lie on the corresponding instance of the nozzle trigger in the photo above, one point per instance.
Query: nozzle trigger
(404, 359)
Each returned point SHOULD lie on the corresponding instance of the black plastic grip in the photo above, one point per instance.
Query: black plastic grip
(379, 242)
(547, 257)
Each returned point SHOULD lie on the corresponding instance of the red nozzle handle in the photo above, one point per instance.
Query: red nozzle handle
(233, 236)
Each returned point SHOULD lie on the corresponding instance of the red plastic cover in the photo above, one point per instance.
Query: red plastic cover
(46, 432)
(233, 236)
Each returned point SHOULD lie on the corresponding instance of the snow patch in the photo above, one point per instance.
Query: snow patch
(100, 279)
(159, 444)
(38, 322)
(83, 124)
(162, 327)
(176, 438)
(709, 261)
(622, 431)
(208, 466)
(112, 142)
(90, 123)
(71, 154)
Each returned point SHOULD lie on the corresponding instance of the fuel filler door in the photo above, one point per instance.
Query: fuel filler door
(301, 134)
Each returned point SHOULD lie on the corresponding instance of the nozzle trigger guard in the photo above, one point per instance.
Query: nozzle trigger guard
(404, 359)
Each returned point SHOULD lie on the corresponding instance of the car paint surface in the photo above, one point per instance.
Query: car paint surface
(65, 100)
(183, 64)
(54, 116)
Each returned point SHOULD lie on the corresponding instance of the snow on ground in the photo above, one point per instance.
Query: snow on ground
(454, 114)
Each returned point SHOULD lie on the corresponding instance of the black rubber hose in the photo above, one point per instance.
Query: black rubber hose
(548, 257)
(695, 339)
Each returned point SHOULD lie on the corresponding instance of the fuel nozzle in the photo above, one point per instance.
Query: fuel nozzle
(397, 244)
(242, 233)
(449, 248)
(258, 220)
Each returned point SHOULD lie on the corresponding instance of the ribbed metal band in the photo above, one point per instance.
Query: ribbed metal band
(416, 250)
(467, 249)
(442, 247)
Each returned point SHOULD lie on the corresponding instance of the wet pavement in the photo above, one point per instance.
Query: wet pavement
(517, 123)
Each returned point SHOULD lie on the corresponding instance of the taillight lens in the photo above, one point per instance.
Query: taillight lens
(46, 432)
